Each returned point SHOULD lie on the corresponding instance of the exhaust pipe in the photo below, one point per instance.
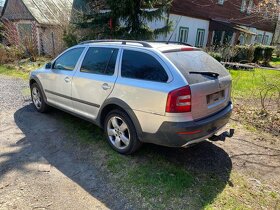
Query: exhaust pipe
(222, 136)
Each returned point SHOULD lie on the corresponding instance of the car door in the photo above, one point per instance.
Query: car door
(58, 82)
(95, 80)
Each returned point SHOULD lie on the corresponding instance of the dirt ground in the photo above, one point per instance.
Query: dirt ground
(41, 169)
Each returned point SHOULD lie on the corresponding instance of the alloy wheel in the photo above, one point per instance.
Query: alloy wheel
(36, 97)
(118, 132)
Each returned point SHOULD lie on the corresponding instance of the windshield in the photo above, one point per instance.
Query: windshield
(196, 61)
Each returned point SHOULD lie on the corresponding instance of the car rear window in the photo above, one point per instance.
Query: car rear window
(196, 61)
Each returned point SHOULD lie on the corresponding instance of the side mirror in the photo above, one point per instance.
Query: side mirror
(48, 65)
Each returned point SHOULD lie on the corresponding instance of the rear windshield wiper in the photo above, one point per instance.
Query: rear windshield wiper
(207, 73)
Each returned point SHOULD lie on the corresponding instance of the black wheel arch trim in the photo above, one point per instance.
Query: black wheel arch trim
(127, 109)
(36, 79)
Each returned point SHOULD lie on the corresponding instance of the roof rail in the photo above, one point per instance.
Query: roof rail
(124, 42)
(173, 42)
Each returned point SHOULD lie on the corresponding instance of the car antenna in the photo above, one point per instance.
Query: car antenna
(179, 19)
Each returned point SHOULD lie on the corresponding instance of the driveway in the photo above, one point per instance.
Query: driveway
(31, 144)
(43, 165)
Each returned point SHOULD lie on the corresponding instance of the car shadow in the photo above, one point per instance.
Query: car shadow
(48, 137)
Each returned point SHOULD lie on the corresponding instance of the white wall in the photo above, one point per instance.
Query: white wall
(257, 32)
(192, 23)
(270, 35)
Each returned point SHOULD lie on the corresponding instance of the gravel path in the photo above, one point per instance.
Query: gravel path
(39, 165)
(11, 90)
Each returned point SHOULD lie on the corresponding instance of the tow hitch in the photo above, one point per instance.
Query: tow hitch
(222, 136)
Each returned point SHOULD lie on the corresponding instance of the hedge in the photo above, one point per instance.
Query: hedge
(217, 56)
(247, 54)
(263, 53)
(243, 53)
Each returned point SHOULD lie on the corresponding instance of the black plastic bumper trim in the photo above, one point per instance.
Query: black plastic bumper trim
(73, 99)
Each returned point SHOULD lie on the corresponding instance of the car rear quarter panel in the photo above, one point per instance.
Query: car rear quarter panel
(147, 98)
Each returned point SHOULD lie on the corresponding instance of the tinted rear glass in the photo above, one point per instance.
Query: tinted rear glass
(197, 61)
(139, 65)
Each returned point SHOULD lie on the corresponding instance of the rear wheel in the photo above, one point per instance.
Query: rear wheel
(121, 133)
(38, 99)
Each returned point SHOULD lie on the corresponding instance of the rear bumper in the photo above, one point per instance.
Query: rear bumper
(182, 134)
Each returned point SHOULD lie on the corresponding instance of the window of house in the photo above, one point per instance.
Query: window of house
(183, 34)
(140, 65)
(100, 61)
(259, 38)
(25, 32)
(243, 5)
(200, 38)
(250, 7)
(68, 60)
(241, 39)
(265, 40)
(221, 2)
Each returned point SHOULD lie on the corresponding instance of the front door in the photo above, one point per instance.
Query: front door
(59, 81)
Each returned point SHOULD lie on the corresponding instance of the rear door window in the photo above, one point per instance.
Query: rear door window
(196, 61)
(100, 61)
(140, 65)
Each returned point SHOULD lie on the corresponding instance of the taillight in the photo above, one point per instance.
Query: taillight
(179, 100)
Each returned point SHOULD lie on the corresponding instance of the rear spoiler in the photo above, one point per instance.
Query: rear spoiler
(182, 49)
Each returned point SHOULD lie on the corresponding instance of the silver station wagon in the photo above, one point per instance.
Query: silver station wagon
(139, 92)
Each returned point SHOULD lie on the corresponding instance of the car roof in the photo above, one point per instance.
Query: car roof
(161, 46)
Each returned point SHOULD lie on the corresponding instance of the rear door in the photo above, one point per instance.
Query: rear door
(143, 82)
(210, 94)
(95, 80)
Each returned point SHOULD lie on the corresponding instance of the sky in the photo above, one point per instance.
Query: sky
(2, 2)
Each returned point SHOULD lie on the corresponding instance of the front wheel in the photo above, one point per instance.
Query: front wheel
(121, 133)
(38, 99)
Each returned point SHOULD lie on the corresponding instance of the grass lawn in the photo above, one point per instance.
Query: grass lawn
(151, 179)
(22, 70)
(158, 183)
(248, 84)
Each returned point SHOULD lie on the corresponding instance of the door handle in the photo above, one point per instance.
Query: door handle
(67, 79)
(105, 86)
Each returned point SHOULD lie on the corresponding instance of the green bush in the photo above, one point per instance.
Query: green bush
(263, 53)
(243, 53)
(70, 38)
(258, 55)
(217, 56)
(10, 54)
(268, 52)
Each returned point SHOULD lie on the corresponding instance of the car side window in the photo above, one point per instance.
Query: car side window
(100, 60)
(68, 60)
(140, 65)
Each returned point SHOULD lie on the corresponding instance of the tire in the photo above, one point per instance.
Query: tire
(121, 133)
(38, 99)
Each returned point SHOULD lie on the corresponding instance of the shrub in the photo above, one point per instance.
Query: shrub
(70, 38)
(263, 53)
(217, 56)
(4, 57)
(16, 53)
(244, 53)
(258, 55)
(268, 52)
(10, 54)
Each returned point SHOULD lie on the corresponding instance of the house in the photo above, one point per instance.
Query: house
(218, 22)
(37, 22)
